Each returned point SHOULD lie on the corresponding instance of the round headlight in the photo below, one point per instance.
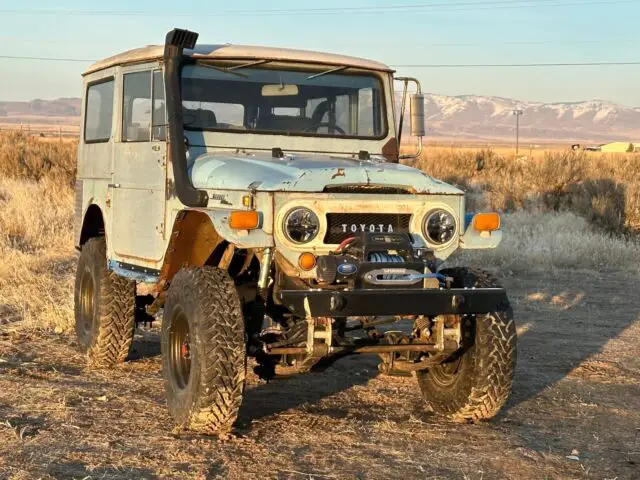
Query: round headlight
(301, 225)
(439, 227)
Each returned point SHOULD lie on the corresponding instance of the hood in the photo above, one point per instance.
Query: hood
(311, 173)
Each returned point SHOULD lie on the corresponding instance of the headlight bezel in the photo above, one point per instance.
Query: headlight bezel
(285, 225)
(425, 227)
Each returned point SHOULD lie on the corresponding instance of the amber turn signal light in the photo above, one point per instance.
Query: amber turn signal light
(244, 220)
(486, 222)
(307, 261)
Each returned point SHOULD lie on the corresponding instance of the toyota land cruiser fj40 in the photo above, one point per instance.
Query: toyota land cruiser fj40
(255, 197)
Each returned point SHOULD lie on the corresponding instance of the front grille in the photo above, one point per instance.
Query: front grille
(345, 225)
(368, 188)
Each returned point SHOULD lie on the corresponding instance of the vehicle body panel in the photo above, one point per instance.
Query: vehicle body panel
(306, 173)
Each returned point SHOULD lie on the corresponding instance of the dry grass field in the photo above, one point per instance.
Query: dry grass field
(572, 274)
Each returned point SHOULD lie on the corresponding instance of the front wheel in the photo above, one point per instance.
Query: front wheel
(476, 381)
(203, 350)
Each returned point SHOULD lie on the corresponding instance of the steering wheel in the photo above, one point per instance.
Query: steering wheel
(315, 127)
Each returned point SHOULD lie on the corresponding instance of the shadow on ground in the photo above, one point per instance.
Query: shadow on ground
(283, 394)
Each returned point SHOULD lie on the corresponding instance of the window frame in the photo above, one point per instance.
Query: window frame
(100, 81)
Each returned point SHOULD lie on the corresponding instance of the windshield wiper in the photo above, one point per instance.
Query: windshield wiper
(232, 70)
(224, 70)
(326, 72)
(250, 64)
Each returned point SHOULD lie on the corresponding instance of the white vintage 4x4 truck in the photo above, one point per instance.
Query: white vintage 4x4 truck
(255, 196)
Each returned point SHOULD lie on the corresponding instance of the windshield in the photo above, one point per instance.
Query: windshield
(285, 102)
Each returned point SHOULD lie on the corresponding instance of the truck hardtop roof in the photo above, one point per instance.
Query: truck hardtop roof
(239, 52)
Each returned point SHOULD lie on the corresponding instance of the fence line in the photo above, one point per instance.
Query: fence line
(41, 130)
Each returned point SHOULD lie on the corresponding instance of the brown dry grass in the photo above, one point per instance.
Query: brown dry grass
(36, 232)
(605, 189)
(27, 157)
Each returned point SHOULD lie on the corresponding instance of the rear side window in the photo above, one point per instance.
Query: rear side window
(99, 112)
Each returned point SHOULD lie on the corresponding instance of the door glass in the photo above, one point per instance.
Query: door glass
(159, 130)
(136, 107)
(99, 111)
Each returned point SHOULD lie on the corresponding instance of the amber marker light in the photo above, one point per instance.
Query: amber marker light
(244, 220)
(486, 222)
(307, 261)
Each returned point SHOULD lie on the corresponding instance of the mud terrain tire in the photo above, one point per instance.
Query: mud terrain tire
(203, 350)
(476, 383)
(104, 307)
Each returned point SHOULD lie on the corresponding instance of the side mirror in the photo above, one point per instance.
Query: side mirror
(417, 115)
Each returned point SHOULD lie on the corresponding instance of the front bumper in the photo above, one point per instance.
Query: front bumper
(348, 303)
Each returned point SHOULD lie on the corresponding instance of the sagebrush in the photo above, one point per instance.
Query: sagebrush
(29, 157)
(605, 189)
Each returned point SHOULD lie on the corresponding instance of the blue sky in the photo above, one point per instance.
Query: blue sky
(492, 31)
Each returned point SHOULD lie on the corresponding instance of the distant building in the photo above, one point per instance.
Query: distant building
(620, 147)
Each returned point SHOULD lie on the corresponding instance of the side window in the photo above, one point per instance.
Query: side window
(367, 124)
(159, 116)
(99, 112)
(136, 108)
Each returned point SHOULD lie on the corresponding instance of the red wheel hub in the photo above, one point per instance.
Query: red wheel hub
(185, 350)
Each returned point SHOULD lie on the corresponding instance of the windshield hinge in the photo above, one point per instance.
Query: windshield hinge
(364, 155)
(277, 152)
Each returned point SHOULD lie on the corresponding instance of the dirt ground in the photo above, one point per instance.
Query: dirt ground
(574, 412)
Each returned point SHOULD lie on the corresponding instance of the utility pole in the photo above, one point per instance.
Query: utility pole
(517, 112)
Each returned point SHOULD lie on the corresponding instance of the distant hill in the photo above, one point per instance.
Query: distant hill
(62, 107)
(465, 116)
(492, 117)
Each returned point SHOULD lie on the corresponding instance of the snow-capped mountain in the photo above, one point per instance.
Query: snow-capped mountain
(492, 117)
(465, 116)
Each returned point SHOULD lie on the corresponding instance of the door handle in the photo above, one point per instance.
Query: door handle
(114, 185)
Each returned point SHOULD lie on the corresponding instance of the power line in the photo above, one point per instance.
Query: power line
(514, 65)
(624, 38)
(426, 7)
(45, 59)
(415, 65)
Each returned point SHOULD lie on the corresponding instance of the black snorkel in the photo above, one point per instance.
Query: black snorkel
(176, 41)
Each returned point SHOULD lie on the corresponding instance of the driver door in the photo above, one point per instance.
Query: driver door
(139, 169)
